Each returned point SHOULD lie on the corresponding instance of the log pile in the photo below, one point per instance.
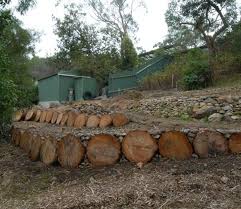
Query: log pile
(71, 118)
(138, 147)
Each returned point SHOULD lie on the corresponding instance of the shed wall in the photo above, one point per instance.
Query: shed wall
(65, 83)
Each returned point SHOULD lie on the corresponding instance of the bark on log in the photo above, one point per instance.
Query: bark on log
(175, 145)
(49, 116)
(235, 143)
(18, 116)
(38, 115)
(30, 115)
(64, 119)
(93, 121)
(70, 151)
(59, 119)
(37, 142)
(210, 142)
(103, 150)
(80, 121)
(120, 119)
(139, 147)
(48, 150)
(43, 116)
(105, 121)
(55, 117)
(71, 118)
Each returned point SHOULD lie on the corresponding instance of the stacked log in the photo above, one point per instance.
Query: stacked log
(25, 141)
(43, 116)
(210, 143)
(71, 118)
(105, 121)
(119, 119)
(80, 121)
(54, 117)
(37, 142)
(48, 150)
(38, 115)
(64, 119)
(18, 116)
(70, 151)
(175, 145)
(30, 115)
(15, 136)
(93, 121)
(49, 116)
(59, 118)
(139, 147)
(103, 150)
(235, 143)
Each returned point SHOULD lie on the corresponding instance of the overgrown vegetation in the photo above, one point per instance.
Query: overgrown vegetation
(16, 85)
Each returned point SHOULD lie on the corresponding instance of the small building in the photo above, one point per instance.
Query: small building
(66, 86)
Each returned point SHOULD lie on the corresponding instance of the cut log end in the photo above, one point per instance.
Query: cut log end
(37, 142)
(48, 151)
(175, 145)
(80, 121)
(235, 143)
(139, 147)
(70, 151)
(30, 115)
(120, 119)
(71, 118)
(105, 121)
(18, 116)
(103, 150)
(93, 121)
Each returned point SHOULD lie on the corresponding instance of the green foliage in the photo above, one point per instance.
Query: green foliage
(188, 71)
(128, 54)
(83, 47)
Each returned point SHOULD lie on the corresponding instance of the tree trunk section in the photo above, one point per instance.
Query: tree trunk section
(43, 116)
(37, 142)
(18, 116)
(30, 115)
(103, 150)
(49, 116)
(139, 147)
(80, 121)
(175, 145)
(235, 143)
(105, 121)
(59, 118)
(55, 117)
(71, 118)
(119, 119)
(64, 119)
(26, 141)
(70, 151)
(48, 151)
(93, 121)
(38, 115)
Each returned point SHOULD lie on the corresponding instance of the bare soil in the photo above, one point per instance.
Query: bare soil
(161, 184)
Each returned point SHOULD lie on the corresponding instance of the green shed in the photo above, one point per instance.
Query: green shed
(66, 86)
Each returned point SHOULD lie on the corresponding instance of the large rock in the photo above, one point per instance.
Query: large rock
(93, 121)
(216, 117)
(105, 121)
(175, 145)
(203, 112)
(120, 119)
(235, 143)
(103, 150)
(210, 142)
(139, 146)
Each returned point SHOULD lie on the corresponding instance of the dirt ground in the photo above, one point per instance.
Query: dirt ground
(162, 184)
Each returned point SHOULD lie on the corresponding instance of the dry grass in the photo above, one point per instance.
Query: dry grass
(162, 184)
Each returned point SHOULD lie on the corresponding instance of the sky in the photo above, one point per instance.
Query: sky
(152, 26)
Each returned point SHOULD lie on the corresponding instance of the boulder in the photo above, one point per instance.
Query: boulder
(210, 142)
(203, 112)
(175, 145)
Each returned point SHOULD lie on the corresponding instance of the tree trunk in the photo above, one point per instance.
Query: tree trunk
(37, 142)
(55, 117)
(119, 119)
(26, 141)
(43, 116)
(38, 115)
(93, 122)
(49, 116)
(71, 118)
(70, 151)
(64, 119)
(80, 121)
(30, 115)
(18, 116)
(105, 121)
(59, 118)
(103, 150)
